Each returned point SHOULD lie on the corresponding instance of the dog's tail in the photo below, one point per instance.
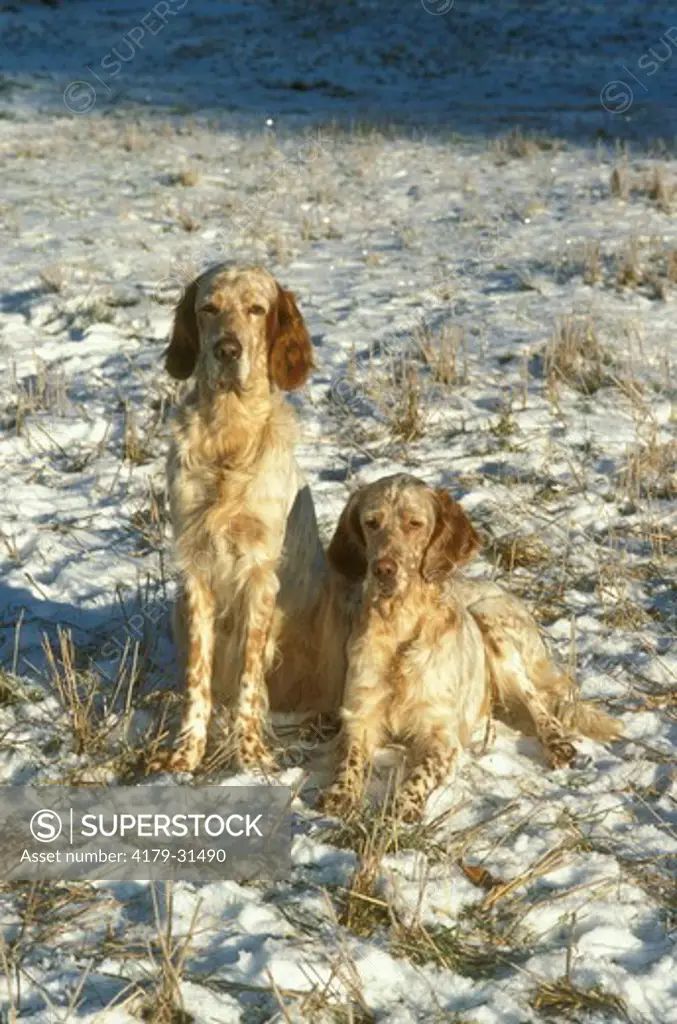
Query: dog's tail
(585, 718)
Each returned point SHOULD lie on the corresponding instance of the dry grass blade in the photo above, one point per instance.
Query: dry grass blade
(187, 176)
(406, 414)
(449, 948)
(548, 862)
(561, 999)
(671, 266)
(619, 184)
(366, 830)
(516, 145)
(77, 693)
(651, 471)
(135, 450)
(630, 273)
(11, 690)
(99, 730)
(444, 353)
(162, 1002)
(515, 551)
(576, 356)
(659, 191)
(43, 391)
(359, 908)
(592, 268)
(53, 278)
(150, 519)
(10, 971)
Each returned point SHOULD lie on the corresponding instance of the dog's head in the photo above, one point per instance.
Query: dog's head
(397, 530)
(235, 326)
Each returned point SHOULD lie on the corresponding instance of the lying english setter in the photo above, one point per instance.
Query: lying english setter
(431, 653)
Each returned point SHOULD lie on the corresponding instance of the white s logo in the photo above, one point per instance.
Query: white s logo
(46, 826)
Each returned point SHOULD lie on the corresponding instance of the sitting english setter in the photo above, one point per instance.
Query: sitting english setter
(254, 618)
(431, 653)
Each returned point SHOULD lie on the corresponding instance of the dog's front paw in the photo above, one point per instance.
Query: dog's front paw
(252, 755)
(338, 802)
(560, 753)
(408, 808)
(185, 759)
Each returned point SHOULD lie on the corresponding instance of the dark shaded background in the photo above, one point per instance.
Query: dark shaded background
(480, 66)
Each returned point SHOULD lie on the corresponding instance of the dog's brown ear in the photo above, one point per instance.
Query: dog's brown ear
(184, 344)
(291, 353)
(454, 540)
(347, 550)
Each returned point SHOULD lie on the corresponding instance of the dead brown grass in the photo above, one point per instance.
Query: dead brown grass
(443, 352)
(189, 177)
(659, 191)
(518, 145)
(399, 396)
(671, 266)
(453, 949)
(649, 183)
(575, 356)
(53, 278)
(619, 184)
(360, 908)
(651, 471)
(160, 1001)
(592, 268)
(79, 694)
(44, 391)
(519, 551)
(99, 710)
(630, 273)
(44, 911)
(150, 520)
(563, 1000)
(11, 690)
(135, 448)
(187, 221)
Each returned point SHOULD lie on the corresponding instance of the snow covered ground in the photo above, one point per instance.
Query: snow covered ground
(490, 311)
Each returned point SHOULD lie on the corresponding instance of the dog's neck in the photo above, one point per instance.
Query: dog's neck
(235, 424)
(233, 402)
(400, 610)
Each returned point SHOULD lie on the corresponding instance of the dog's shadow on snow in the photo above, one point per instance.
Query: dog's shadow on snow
(112, 658)
(101, 635)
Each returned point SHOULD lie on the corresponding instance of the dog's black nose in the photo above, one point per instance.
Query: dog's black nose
(228, 349)
(384, 569)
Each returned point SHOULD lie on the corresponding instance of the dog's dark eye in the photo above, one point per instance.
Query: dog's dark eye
(372, 523)
(415, 524)
(209, 308)
(256, 310)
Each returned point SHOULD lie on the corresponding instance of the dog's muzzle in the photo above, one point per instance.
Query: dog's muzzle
(384, 572)
(228, 350)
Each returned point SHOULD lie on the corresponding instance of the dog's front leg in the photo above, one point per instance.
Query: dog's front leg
(346, 791)
(364, 717)
(198, 609)
(431, 760)
(251, 705)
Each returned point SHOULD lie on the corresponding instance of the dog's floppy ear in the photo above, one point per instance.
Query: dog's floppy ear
(291, 354)
(454, 540)
(347, 551)
(184, 344)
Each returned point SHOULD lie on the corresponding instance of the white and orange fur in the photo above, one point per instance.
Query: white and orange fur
(431, 654)
(255, 604)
